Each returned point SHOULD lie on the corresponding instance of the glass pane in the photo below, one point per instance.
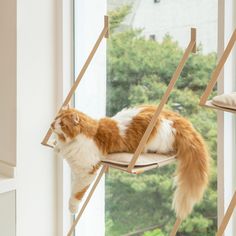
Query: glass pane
(147, 40)
(90, 97)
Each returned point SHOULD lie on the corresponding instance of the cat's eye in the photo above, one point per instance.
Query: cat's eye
(62, 124)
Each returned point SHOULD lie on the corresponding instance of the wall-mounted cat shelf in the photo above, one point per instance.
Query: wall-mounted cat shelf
(220, 103)
(225, 102)
(132, 164)
(191, 48)
(135, 163)
(138, 163)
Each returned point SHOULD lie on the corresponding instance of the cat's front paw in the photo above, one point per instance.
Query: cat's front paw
(73, 206)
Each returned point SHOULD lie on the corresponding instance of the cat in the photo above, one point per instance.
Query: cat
(84, 141)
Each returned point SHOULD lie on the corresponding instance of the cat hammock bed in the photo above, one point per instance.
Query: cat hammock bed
(134, 163)
(226, 103)
(146, 161)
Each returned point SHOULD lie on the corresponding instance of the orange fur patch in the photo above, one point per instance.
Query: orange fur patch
(108, 137)
(80, 194)
(74, 122)
(138, 127)
(94, 169)
(61, 137)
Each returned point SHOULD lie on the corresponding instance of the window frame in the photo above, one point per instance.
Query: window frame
(69, 64)
(226, 122)
(65, 80)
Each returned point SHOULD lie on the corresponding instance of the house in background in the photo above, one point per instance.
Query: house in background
(157, 17)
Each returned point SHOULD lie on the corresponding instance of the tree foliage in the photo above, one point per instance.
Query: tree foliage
(139, 71)
(156, 232)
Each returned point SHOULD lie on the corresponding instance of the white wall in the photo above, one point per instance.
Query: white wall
(159, 18)
(8, 81)
(91, 95)
(36, 99)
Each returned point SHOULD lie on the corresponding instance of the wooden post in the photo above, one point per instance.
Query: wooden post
(227, 216)
(191, 48)
(218, 69)
(103, 34)
(176, 227)
(106, 25)
(194, 39)
(103, 170)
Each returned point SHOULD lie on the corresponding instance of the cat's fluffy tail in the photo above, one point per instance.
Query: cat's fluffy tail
(193, 168)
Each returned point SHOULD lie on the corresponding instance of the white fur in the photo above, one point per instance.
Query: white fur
(124, 118)
(82, 154)
(164, 139)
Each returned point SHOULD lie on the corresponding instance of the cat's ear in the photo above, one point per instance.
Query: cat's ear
(66, 107)
(75, 118)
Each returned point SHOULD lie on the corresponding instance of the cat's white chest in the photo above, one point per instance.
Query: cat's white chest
(82, 153)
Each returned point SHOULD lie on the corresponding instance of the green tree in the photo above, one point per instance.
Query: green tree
(156, 232)
(138, 72)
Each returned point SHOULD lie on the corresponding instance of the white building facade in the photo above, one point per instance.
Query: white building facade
(160, 17)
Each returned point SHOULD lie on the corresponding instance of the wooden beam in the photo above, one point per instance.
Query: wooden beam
(218, 69)
(191, 48)
(227, 216)
(176, 227)
(103, 34)
(103, 170)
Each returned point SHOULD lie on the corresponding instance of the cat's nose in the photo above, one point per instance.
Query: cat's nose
(52, 126)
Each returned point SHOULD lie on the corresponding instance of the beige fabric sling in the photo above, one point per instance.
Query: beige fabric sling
(225, 101)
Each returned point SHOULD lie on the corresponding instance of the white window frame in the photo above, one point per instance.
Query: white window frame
(65, 80)
(88, 30)
(226, 122)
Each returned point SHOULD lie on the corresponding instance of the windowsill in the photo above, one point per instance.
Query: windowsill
(7, 184)
(7, 177)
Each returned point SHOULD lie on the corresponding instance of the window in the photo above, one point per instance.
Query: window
(138, 72)
(120, 188)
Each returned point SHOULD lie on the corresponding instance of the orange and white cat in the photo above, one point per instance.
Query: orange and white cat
(83, 141)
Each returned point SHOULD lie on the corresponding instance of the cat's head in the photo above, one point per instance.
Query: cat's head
(67, 124)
